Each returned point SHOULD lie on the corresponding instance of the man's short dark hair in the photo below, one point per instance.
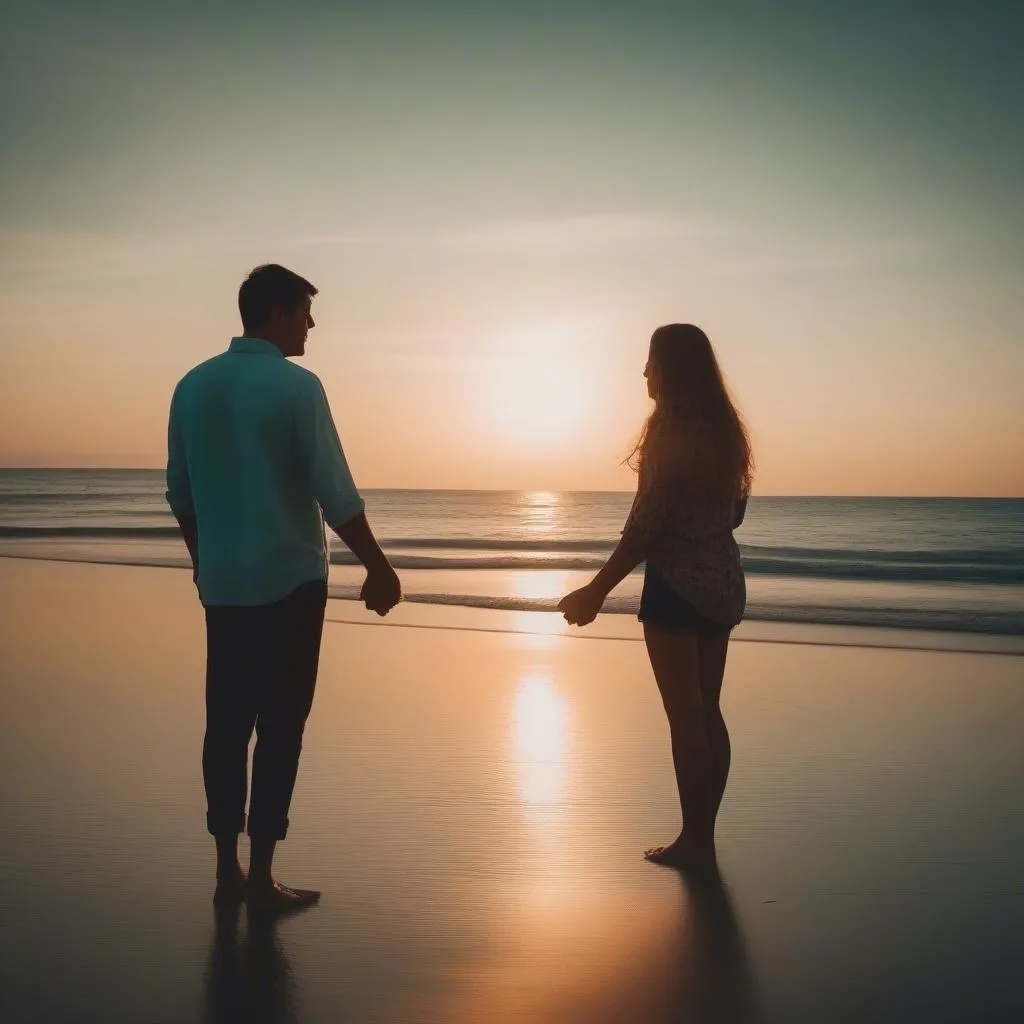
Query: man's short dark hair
(268, 288)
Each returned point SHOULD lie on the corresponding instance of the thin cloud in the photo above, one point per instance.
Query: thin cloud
(590, 231)
(539, 234)
(722, 248)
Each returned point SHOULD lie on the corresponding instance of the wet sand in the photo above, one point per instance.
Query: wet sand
(474, 805)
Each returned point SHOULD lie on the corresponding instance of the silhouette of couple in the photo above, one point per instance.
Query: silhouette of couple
(255, 470)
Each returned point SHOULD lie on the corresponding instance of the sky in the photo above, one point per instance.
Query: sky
(500, 201)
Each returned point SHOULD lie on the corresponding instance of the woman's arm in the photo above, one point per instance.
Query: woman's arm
(581, 606)
(628, 554)
(643, 524)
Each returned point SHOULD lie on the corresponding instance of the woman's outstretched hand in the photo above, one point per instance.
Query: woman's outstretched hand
(581, 606)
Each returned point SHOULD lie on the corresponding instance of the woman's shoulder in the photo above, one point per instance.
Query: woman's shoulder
(739, 510)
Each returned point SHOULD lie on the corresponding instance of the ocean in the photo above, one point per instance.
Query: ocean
(943, 564)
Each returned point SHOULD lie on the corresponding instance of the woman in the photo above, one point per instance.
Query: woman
(694, 468)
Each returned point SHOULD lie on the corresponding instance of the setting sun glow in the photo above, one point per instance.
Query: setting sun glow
(535, 394)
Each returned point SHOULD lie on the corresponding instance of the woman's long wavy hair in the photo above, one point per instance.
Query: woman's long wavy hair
(695, 431)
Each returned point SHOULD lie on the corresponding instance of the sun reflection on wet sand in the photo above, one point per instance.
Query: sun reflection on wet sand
(548, 586)
(547, 866)
(539, 741)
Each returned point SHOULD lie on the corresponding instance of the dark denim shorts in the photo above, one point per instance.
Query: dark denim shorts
(662, 608)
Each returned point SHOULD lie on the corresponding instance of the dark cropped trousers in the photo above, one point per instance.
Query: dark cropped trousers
(261, 666)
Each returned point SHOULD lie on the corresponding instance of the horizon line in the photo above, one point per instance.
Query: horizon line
(542, 490)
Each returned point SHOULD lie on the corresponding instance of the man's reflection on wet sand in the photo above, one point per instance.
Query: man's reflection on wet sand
(675, 953)
(248, 977)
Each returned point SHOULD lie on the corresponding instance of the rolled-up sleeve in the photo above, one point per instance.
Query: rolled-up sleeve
(321, 451)
(647, 519)
(179, 488)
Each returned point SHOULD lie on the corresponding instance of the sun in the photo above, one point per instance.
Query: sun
(536, 395)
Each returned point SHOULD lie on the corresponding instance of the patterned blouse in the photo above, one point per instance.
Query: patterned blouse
(686, 536)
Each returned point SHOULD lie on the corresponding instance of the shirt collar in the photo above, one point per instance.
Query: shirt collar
(255, 346)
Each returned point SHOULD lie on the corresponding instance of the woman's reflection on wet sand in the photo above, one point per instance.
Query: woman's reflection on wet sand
(670, 953)
(693, 968)
(653, 954)
(715, 980)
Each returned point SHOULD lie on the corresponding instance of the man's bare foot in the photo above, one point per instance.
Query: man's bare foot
(271, 899)
(230, 886)
(684, 855)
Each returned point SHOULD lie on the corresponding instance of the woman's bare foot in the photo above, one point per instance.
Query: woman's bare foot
(683, 854)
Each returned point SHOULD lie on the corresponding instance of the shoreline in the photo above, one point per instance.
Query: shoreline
(779, 641)
(416, 612)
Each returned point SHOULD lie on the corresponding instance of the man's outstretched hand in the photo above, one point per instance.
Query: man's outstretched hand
(381, 591)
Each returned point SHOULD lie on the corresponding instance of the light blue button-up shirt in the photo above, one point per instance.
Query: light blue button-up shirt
(253, 454)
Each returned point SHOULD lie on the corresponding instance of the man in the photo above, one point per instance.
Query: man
(254, 469)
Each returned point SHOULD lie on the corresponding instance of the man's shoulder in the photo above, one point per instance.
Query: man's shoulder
(280, 375)
(301, 379)
(300, 373)
(199, 371)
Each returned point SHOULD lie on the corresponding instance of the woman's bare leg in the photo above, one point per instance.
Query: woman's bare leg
(712, 649)
(676, 664)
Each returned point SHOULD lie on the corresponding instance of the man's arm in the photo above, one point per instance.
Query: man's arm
(190, 532)
(338, 497)
(179, 491)
(359, 539)
(382, 589)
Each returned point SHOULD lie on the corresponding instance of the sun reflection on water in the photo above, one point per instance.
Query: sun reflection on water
(541, 513)
(546, 584)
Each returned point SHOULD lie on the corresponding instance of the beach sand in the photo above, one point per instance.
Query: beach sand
(474, 805)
